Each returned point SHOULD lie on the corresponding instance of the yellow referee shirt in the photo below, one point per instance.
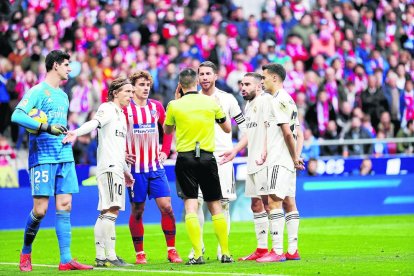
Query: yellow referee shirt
(194, 116)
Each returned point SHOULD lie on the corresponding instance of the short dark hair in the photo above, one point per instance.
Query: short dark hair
(115, 86)
(208, 64)
(187, 78)
(275, 69)
(55, 56)
(255, 75)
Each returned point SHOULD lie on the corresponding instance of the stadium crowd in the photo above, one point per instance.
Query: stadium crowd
(350, 64)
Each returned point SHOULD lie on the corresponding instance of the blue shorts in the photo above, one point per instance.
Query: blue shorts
(54, 179)
(154, 184)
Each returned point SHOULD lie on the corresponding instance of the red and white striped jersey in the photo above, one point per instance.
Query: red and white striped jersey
(143, 126)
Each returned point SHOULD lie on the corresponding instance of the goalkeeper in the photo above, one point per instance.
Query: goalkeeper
(51, 164)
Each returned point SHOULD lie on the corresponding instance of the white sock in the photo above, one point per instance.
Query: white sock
(99, 239)
(110, 236)
(261, 227)
(292, 226)
(277, 221)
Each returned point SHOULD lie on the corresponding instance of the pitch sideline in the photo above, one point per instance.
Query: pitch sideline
(154, 271)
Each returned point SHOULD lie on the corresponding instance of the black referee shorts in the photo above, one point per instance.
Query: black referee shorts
(192, 172)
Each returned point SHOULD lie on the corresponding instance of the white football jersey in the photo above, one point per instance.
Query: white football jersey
(283, 111)
(256, 130)
(231, 108)
(111, 139)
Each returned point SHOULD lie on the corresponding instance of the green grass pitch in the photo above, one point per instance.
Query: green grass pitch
(378, 245)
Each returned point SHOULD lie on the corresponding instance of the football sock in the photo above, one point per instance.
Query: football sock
(136, 227)
(108, 221)
(292, 226)
(261, 227)
(64, 235)
(30, 231)
(277, 222)
(225, 205)
(193, 229)
(168, 227)
(226, 211)
(220, 228)
(99, 239)
(200, 214)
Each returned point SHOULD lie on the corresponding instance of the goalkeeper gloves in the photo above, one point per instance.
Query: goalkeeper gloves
(55, 129)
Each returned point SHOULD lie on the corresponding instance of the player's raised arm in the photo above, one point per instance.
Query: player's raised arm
(82, 130)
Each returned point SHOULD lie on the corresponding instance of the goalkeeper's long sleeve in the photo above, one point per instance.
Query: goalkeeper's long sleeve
(20, 117)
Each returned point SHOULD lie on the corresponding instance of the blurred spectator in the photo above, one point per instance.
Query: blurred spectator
(312, 167)
(19, 53)
(5, 75)
(373, 101)
(331, 134)
(295, 48)
(83, 98)
(407, 103)
(357, 132)
(236, 75)
(334, 89)
(386, 126)
(366, 167)
(323, 44)
(310, 146)
(301, 103)
(366, 123)
(319, 114)
(80, 149)
(380, 148)
(6, 151)
(168, 83)
(393, 94)
(303, 29)
(343, 120)
(221, 81)
(406, 132)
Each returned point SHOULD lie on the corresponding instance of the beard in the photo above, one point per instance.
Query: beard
(249, 97)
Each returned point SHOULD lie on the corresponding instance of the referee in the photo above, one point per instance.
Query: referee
(193, 115)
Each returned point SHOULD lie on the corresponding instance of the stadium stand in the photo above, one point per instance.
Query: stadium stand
(350, 63)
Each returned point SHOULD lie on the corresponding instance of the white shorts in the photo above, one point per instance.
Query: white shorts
(256, 184)
(281, 181)
(227, 182)
(111, 189)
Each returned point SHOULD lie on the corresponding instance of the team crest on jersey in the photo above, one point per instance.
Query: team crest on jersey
(283, 105)
(154, 113)
(255, 109)
(47, 93)
(100, 113)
